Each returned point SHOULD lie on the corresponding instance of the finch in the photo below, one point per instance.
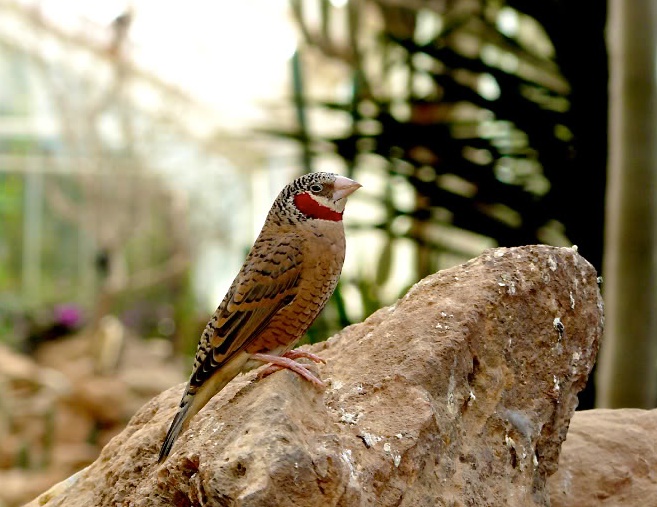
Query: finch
(287, 278)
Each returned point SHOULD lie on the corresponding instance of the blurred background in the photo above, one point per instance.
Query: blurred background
(142, 143)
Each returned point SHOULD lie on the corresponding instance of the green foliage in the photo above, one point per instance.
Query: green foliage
(11, 204)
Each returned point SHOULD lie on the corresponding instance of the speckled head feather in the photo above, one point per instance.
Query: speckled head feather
(314, 196)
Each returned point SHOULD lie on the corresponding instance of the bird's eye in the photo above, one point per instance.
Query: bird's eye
(316, 188)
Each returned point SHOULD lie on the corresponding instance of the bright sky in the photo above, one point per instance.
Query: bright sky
(229, 54)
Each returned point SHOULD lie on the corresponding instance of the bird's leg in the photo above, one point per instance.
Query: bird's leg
(281, 362)
(291, 354)
(296, 354)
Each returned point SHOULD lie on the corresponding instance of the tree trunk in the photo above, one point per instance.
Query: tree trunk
(627, 373)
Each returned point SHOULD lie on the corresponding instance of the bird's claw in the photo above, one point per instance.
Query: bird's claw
(285, 362)
(297, 354)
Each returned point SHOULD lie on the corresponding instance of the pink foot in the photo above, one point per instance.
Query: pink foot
(285, 362)
(297, 354)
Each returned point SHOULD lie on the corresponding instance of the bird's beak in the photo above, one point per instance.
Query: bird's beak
(343, 187)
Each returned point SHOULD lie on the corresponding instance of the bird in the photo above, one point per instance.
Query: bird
(285, 281)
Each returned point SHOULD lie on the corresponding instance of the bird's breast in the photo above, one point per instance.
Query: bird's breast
(321, 266)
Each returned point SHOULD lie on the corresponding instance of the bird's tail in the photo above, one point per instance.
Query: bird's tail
(177, 426)
(196, 397)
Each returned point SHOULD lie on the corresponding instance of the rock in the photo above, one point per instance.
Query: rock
(459, 394)
(609, 457)
(17, 483)
(57, 412)
(72, 423)
(61, 354)
(15, 367)
(104, 398)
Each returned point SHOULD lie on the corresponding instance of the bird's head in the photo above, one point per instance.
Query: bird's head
(317, 196)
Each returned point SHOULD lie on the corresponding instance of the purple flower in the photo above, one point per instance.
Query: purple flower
(68, 315)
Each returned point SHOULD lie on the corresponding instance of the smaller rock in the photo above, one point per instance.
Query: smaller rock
(16, 367)
(72, 423)
(103, 398)
(17, 484)
(73, 456)
(608, 458)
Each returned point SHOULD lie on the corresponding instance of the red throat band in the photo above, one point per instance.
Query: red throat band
(312, 209)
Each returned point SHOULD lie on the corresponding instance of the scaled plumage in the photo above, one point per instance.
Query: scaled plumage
(287, 278)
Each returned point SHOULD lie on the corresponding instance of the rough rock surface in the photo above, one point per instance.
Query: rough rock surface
(609, 458)
(459, 394)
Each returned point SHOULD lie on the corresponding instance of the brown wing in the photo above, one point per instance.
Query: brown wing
(266, 283)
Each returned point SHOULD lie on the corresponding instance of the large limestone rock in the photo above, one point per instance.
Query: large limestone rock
(459, 394)
(609, 458)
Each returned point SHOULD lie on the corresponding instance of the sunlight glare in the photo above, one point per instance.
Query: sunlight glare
(507, 21)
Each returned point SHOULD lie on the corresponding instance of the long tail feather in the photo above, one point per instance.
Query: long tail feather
(176, 426)
(194, 401)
